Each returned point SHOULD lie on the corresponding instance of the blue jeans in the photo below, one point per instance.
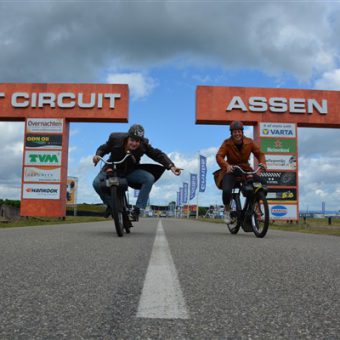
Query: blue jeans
(142, 177)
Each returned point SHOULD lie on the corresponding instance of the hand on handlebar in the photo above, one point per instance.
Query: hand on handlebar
(95, 159)
(262, 167)
(230, 168)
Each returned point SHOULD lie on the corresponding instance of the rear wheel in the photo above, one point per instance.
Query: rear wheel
(260, 216)
(235, 208)
(117, 211)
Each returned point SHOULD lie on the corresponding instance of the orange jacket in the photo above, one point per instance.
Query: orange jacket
(228, 153)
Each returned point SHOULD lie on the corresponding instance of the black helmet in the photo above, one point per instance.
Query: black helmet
(236, 125)
(136, 131)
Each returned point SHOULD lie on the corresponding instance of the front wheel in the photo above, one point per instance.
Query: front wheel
(117, 211)
(235, 209)
(260, 215)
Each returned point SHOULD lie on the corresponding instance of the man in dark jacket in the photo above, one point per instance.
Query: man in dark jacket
(141, 176)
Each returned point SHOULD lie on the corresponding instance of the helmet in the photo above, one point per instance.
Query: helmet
(136, 131)
(236, 125)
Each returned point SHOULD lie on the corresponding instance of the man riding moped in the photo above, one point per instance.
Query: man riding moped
(235, 150)
(139, 176)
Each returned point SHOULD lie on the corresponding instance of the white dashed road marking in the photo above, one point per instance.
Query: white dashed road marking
(162, 296)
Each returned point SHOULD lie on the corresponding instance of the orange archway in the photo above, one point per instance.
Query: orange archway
(275, 115)
(47, 110)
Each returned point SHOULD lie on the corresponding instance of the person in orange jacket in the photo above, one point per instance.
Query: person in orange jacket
(235, 150)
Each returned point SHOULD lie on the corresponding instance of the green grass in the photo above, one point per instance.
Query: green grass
(35, 221)
(312, 226)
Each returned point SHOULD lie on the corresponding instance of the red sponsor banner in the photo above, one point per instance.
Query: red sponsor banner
(76, 102)
(221, 105)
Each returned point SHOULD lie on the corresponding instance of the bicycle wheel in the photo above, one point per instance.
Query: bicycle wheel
(117, 211)
(126, 221)
(235, 208)
(260, 216)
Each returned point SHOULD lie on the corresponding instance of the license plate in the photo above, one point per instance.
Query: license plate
(112, 181)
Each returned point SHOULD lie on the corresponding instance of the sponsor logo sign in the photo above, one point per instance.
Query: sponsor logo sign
(41, 174)
(279, 178)
(43, 141)
(277, 145)
(41, 125)
(281, 162)
(48, 158)
(41, 191)
(71, 192)
(282, 194)
(277, 130)
(283, 211)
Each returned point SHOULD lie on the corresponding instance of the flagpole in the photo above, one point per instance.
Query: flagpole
(189, 188)
(198, 189)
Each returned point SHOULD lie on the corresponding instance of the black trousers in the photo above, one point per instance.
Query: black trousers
(228, 183)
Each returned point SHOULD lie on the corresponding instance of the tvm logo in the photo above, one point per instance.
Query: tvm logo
(47, 159)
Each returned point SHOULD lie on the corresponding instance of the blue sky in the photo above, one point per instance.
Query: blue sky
(163, 50)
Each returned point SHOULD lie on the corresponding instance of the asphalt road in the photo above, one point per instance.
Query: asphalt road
(80, 281)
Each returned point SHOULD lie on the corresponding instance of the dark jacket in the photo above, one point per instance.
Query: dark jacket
(116, 147)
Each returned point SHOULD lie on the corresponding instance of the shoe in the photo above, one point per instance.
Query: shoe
(135, 214)
(107, 212)
(226, 217)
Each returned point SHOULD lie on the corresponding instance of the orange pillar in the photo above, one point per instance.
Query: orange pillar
(44, 174)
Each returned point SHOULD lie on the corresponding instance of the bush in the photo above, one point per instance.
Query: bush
(13, 203)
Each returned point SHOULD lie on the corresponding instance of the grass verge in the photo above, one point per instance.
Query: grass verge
(312, 226)
(34, 221)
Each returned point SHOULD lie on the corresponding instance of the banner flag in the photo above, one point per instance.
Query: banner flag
(178, 199)
(193, 185)
(185, 192)
(203, 173)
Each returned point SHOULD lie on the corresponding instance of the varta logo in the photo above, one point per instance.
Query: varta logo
(277, 132)
(282, 132)
(43, 158)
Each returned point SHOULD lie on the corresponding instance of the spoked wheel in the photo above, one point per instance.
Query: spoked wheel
(235, 207)
(117, 211)
(260, 217)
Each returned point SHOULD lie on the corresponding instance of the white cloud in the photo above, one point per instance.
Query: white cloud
(47, 40)
(164, 191)
(11, 139)
(139, 84)
(329, 81)
(319, 181)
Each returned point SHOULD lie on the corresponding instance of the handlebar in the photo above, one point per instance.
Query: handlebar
(260, 167)
(117, 162)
